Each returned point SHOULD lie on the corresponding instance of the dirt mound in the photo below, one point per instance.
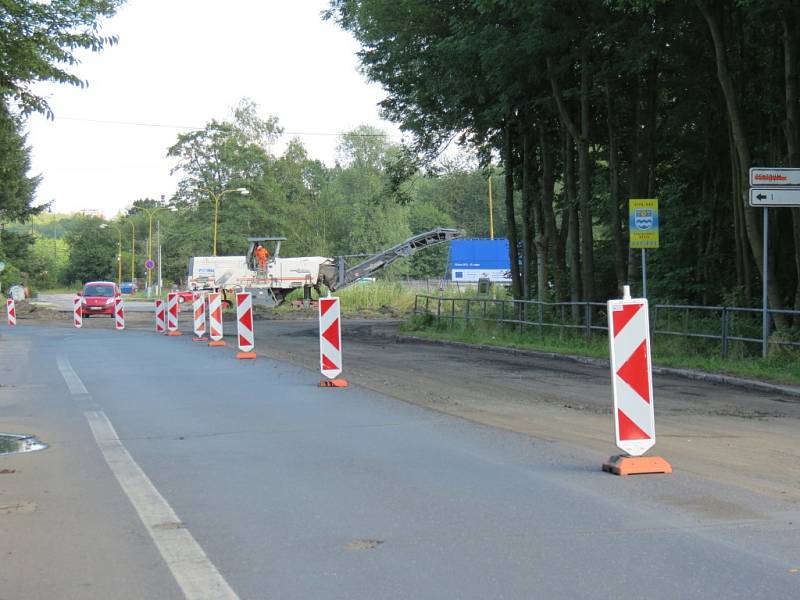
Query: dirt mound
(28, 310)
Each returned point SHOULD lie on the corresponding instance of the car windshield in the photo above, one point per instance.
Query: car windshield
(98, 290)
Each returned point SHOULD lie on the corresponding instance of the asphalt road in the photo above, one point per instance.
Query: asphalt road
(175, 469)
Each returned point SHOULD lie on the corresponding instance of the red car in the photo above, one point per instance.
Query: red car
(98, 298)
(185, 297)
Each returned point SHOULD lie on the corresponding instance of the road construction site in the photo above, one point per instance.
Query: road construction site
(731, 501)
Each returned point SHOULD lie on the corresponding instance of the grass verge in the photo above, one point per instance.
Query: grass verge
(377, 298)
(781, 366)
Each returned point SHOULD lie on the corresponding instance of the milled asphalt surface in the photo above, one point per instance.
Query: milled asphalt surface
(295, 491)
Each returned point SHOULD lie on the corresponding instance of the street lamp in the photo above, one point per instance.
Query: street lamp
(217, 197)
(133, 253)
(150, 212)
(119, 251)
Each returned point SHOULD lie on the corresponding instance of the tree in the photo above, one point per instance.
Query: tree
(93, 252)
(221, 157)
(17, 188)
(39, 40)
(592, 102)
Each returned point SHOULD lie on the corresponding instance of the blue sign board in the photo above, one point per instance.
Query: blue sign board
(471, 260)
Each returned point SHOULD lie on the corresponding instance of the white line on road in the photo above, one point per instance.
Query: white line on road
(74, 382)
(196, 575)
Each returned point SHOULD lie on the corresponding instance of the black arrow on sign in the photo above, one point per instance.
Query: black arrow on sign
(761, 197)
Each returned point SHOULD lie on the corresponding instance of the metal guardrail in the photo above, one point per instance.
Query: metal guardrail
(724, 324)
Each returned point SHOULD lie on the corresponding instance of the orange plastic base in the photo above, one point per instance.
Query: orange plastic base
(174, 333)
(333, 383)
(636, 465)
(241, 355)
(199, 339)
(217, 343)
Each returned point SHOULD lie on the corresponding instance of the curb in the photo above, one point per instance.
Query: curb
(748, 384)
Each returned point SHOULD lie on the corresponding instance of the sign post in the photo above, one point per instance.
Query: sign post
(119, 313)
(161, 316)
(632, 387)
(199, 312)
(775, 188)
(330, 342)
(643, 227)
(172, 315)
(11, 311)
(215, 319)
(77, 312)
(244, 322)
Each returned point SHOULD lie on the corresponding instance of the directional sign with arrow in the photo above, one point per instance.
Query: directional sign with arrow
(775, 196)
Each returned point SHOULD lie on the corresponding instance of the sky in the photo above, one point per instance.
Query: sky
(179, 64)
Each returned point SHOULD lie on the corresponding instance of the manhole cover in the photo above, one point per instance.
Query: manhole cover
(15, 443)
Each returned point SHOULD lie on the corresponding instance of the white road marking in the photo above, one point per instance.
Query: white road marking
(196, 575)
(74, 382)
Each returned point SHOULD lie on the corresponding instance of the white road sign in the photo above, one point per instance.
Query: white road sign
(766, 197)
(761, 176)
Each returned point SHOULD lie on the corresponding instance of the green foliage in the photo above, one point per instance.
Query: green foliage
(560, 77)
(92, 254)
(11, 275)
(39, 40)
(46, 262)
(17, 188)
(376, 296)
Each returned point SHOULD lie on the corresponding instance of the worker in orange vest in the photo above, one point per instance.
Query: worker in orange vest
(262, 254)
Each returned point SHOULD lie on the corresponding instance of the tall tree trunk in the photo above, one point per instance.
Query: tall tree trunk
(791, 55)
(581, 138)
(742, 246)
(528, 199)
(643, 156)
(613, 188)
(650, 124)
(540, 241)
(552, 237)
(573, 229)
(585, 174)
(511, 219)
(751, 220)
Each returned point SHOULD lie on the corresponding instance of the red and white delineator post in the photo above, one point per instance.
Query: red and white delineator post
(172, 314)
(77, 313)
(161, 316)
(119, 313)
(632, 387)
(215, 319)
(199, 312)
(244, 325)
(330, 342)
(11, 311)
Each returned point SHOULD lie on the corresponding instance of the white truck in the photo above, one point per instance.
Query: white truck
(270, 286)
(212, 272)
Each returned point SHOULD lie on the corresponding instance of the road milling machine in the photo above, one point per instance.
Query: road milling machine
(281, 275)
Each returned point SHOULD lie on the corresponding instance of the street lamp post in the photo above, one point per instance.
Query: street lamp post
(217, 197)
(133, 253)
(150, 212)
